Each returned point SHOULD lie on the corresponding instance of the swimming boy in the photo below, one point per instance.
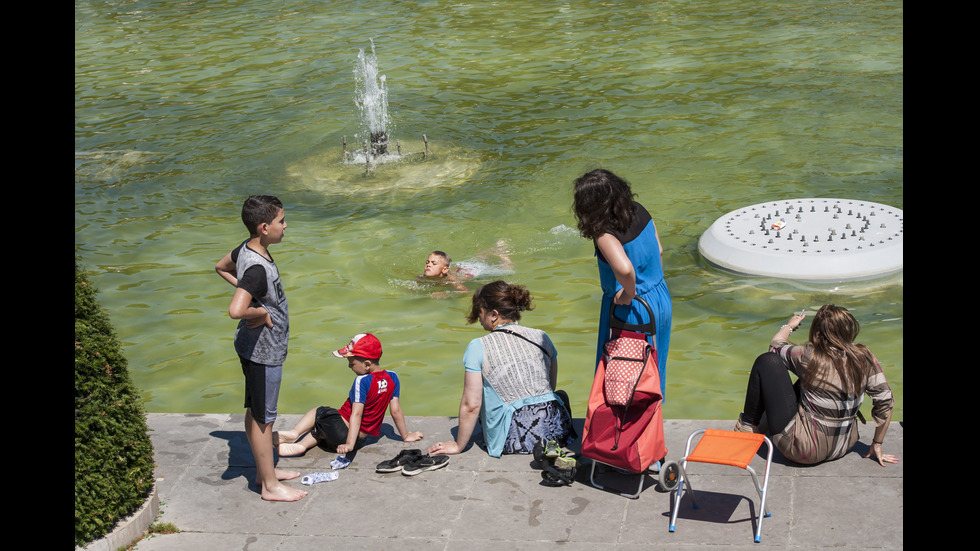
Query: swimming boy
(438, 266)
(374, 390)
(261, 336)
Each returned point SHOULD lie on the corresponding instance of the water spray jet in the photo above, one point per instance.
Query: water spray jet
(371, 99)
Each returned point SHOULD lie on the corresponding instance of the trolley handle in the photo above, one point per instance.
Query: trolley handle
(649, 328)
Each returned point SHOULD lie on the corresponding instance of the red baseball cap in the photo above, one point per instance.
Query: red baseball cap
(364, 345)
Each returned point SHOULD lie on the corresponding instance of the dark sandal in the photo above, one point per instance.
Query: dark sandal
(561, 472)
(554, 477)
(538, 452)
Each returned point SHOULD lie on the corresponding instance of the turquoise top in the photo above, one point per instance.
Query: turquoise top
(496, 412)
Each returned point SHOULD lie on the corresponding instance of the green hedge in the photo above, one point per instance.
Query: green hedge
(113, 453)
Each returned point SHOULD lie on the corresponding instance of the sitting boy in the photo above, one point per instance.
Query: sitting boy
(373, 391)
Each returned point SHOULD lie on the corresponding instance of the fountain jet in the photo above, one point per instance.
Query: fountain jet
(372, 99)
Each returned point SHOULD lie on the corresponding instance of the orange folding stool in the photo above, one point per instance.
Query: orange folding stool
(723, 447)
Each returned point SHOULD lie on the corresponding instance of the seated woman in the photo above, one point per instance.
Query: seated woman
(814, 420)
(510, 379)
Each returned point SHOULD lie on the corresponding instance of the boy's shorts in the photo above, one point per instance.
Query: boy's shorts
(329, 429)
(262, 389)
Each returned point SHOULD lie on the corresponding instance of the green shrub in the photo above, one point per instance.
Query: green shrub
(113, 453)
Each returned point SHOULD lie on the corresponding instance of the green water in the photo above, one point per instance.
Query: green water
(184, 109)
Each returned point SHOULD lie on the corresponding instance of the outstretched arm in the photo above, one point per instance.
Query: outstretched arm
(881, 410)
(879, 438)
(782, 336)
(396, 414)
(469, 412)
(457, 284)
(353, 428)
(458, 287)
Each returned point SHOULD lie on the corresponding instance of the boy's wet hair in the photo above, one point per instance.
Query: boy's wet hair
(259, 209)
(443, 255)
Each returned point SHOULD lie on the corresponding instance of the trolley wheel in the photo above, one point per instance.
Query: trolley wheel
(669, 475)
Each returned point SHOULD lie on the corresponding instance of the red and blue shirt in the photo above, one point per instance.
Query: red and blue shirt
(374, 390)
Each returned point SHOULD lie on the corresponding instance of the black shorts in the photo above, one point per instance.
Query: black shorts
(329, 429)
(262, 389)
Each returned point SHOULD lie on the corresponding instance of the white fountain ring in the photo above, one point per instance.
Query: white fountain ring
(808, 240)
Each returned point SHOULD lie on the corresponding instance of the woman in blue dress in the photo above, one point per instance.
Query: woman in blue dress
(629, 253)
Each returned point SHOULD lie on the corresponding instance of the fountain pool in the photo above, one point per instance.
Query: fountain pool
(184, 109)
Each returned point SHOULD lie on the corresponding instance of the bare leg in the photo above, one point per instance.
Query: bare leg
(501, 251)
(297, 448)
(267, 476)
(303, 425)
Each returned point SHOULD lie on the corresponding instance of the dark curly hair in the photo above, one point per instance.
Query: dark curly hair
(508, 300)
(603, 203)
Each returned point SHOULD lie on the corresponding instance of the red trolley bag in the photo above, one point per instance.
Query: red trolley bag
(624, 424)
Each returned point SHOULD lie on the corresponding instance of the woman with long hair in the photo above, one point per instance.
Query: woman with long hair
(814, 420)
(628, 252)
(510, 379)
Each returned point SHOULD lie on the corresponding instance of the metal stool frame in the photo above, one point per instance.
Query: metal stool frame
(683, 479)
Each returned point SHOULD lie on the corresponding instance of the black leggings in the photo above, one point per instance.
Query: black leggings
(770, 391)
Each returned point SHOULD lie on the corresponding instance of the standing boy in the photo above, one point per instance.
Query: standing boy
(261, 336)
(374, 390)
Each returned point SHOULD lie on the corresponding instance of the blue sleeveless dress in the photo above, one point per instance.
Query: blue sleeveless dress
(640, 244)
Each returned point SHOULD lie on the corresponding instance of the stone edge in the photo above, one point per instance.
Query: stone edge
(129, 529)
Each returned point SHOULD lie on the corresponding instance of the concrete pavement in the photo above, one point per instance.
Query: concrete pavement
(204, 469)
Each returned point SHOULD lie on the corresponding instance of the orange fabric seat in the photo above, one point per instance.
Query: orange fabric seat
(727, 448)
(723, 447)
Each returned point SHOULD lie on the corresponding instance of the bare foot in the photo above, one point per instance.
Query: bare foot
(288, 450)
(284, 436)
(282, 474)
(281, 492)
